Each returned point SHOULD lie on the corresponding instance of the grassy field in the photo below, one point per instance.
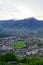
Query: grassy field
(19, 44)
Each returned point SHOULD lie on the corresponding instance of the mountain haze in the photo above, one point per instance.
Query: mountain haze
(11, 27)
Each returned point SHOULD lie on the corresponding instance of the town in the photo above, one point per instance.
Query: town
(33, 45)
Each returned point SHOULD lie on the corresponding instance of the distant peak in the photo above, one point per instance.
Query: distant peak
(32, 18)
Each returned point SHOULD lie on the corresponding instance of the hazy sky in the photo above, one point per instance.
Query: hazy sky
(20, 9)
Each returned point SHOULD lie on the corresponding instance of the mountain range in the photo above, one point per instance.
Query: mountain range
(12, 27)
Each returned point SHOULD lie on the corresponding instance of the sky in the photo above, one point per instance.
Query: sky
(21, 9)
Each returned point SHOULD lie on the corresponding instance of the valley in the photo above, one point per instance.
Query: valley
(21, 40)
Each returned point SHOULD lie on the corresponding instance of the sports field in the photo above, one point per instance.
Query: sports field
(19, 44)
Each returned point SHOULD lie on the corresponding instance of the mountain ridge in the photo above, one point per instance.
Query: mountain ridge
(15, 26)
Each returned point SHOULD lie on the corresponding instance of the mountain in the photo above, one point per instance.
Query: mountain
(11, 27)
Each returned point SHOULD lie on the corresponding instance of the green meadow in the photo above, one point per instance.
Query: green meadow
(19, 44)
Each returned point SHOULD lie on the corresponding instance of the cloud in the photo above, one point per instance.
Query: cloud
(8, 5)
(20, 8)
